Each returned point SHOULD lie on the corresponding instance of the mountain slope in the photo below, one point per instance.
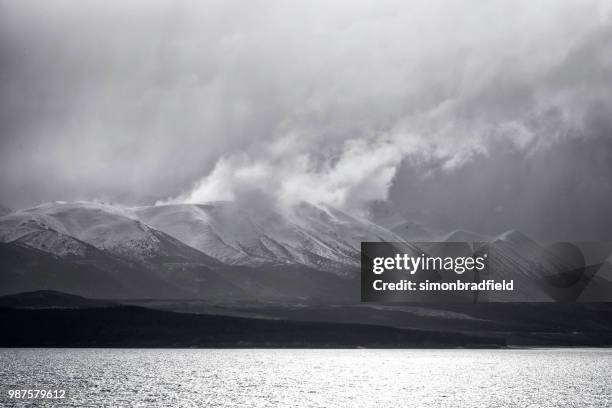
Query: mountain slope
(226, 252)
(317, 237)
(76, 247)
(108, 228)
(95, 274)
(78, 242)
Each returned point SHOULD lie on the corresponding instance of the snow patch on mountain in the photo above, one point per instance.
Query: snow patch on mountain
(320, 237)
(105, 227)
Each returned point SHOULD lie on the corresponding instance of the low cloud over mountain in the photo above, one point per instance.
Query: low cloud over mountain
(494, 114)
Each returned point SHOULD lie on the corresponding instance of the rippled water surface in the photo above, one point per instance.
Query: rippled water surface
(314, 378)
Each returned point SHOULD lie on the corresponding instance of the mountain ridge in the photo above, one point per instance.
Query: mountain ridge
(58, 239)
(218, 250)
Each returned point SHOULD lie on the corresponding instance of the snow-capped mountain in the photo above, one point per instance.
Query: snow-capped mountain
(319, 237)
(215, 250)
(48, 227)
(226, 251)
(75, 244)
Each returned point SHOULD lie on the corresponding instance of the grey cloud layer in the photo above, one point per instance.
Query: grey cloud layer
(339, 102)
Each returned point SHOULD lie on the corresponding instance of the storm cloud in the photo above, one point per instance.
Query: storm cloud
(495, 113)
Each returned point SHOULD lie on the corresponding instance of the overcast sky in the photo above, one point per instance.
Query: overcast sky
(497, 114)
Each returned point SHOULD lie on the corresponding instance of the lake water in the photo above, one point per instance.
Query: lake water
(314, 378)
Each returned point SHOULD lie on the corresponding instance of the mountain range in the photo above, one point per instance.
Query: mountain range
(224, 251)
(216, 250)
